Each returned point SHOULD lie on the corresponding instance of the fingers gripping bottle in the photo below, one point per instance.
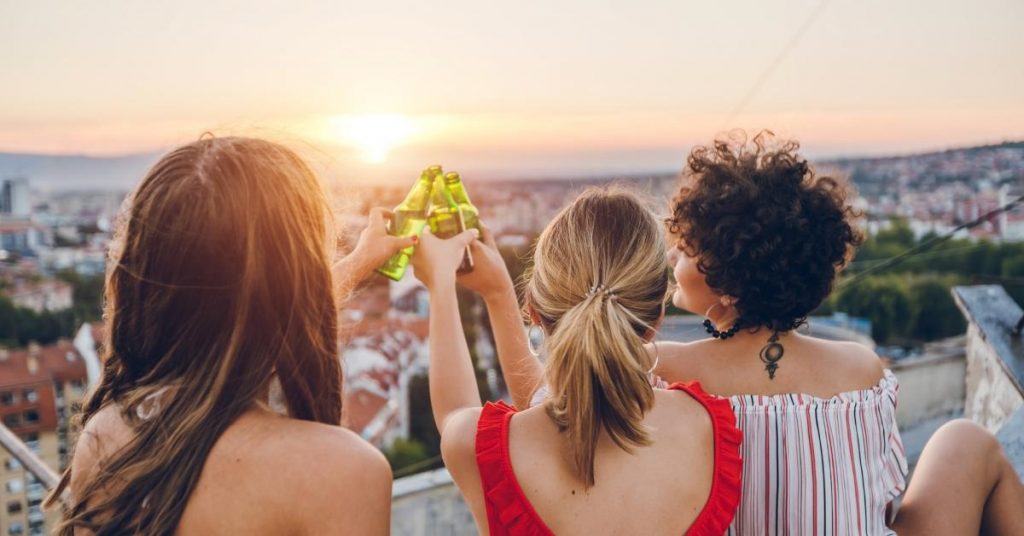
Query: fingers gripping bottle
(446, 220)
(470, 215)
(410, 218)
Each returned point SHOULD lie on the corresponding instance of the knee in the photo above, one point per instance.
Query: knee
(965, 430)
(965, 437)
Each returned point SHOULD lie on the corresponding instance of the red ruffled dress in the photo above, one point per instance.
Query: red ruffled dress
(509, 513)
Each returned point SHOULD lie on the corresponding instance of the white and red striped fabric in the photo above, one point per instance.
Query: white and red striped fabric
(819, 466)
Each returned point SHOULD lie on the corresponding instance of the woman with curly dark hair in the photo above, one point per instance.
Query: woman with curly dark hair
(760, 239)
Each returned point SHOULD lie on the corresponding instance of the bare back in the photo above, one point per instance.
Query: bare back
(810, 365)
(267, 474)
(825, 478)
(658, 489)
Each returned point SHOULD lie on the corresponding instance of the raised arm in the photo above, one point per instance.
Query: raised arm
(490, 279)
(452, 379)
(374, 247)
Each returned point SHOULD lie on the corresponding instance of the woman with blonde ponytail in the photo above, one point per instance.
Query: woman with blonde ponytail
(592, 459)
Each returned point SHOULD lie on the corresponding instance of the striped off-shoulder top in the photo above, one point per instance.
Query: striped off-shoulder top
(819, 466)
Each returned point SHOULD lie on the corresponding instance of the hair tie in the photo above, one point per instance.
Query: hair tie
(601, 289)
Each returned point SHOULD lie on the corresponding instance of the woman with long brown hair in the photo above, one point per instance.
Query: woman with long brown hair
(220, 283)
(606, 453)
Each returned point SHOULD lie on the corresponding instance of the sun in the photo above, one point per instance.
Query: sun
(374, 135)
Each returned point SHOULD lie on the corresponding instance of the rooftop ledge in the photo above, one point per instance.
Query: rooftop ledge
(995, 365)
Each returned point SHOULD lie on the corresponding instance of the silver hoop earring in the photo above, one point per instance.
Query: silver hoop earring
(529, 339)
(714, 330)
(657, 357)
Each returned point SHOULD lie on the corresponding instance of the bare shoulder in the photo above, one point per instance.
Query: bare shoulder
(334, 458)
(458, 448)
(854, 361)
(103, 434)
(327, 466)
(679, 361)
(686, 413)
(458, 439)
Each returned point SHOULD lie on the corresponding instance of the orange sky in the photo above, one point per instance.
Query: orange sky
(566, 86)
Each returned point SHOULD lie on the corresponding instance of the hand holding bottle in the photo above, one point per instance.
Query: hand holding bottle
(408, 220)
(437, 259)
(373, 248)
(490, 276)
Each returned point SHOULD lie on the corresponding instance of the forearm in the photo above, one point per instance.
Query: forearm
(452, 379)
(522, 370)
(348, 273)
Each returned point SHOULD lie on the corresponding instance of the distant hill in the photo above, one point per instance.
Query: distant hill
(76, 172)
(971, 167)
(972, 150)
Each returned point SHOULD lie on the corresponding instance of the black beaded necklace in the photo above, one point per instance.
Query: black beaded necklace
(710, 328)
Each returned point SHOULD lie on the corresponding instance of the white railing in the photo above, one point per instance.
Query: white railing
(21, 452)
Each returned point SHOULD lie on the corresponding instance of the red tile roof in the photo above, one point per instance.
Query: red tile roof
(361, 406)
(59, 362)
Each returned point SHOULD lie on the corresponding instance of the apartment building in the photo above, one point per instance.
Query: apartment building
(40, 388)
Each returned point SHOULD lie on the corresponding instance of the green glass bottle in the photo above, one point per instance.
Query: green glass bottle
(410, 217)
(446, 220)
(470, 215)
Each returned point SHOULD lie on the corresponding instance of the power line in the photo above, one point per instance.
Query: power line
(1005, 280)
(874, 262)
(929, 243)
(767, 73)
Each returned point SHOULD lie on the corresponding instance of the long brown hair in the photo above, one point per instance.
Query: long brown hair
(219, 279)
(598, 285)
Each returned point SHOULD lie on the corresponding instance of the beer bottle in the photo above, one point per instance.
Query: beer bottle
(410, 216)
(446, 220)
(470, 215)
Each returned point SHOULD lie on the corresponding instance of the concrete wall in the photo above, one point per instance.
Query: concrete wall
(429, 504)
(930, 386)
(995, 365)
(991, 395)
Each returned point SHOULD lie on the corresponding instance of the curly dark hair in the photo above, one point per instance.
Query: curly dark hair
(763, 227)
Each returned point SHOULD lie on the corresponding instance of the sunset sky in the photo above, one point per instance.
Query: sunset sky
(530, 86)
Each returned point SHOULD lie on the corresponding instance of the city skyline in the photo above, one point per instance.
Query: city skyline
(382, 89)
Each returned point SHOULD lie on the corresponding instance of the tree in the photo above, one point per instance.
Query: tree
(899, 233)
(885, 301)
(984, 259)
(406, 453)
(1013, 266)
(421, 417)
(936, 315)
(8, 322)
(87, 294)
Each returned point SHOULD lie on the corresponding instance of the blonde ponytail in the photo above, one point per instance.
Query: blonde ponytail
(597, 285)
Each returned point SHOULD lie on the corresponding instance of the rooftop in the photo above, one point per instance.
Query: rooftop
(995, 369)
(58, 362)
(998, 319)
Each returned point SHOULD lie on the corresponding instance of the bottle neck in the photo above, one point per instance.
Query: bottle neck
(458, 192)
(419, 197)
(447, 194)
